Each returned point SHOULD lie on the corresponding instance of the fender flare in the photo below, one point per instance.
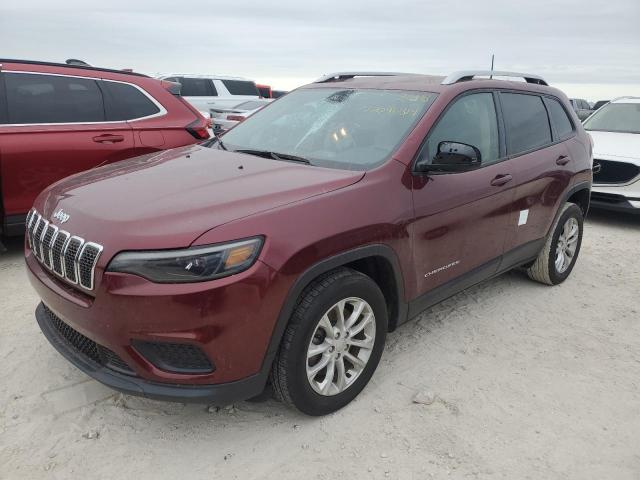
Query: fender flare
(323, 266)
(575, 188)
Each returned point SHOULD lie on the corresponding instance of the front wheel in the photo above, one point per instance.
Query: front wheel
(560, 252)
(333, 343)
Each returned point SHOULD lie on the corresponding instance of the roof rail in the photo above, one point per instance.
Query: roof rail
(66, 65)
(465, 75)
(338, 76)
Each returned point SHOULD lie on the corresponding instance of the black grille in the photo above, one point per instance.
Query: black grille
(87, 347)
(73, 246)
(37, 237)
(175, 357)
(615, 172)
(46, 244)
(56, 252)
(113, 361)
(86, 264)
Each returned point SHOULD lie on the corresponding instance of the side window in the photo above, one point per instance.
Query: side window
(526, 121)
(559, 119)
(3, 101)
(33, 99)
(197, 87)
(472, 120)
(241, 87)
(126, 102)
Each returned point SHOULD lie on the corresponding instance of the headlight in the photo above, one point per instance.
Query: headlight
(196, 264)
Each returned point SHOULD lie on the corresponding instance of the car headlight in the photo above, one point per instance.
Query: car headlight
(195, 264)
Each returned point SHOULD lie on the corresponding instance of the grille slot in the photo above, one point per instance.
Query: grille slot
(47, 239)
(68, 256)
(87, 259)
(87, 347)
(37, 237)
(56, 252)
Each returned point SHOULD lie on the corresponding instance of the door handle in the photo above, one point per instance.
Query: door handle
(500, 180)
(562, 160)
(107, 138)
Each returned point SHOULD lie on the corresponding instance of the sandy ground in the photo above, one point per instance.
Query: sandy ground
(529, 382)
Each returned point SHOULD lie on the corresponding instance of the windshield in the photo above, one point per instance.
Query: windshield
(331, 127)
(616, 117)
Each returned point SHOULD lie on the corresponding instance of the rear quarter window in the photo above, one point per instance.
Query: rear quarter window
(38, 99)
(126, 102)
(559, 119)
(526, 122)
(241, 87)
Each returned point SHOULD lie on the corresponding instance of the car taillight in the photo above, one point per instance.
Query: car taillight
(199, 129)
(235, 118)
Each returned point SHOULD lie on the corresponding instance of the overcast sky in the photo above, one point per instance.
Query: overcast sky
(588, 48)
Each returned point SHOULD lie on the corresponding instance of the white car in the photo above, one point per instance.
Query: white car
(615, 129)
(214, 91)
(225, 118)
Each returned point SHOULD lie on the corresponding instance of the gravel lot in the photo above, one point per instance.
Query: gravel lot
(521, 381)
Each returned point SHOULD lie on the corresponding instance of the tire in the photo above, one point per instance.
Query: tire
(544, 268)
(323, 298)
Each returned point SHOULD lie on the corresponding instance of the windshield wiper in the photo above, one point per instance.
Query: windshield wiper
(219, 140)
(275, 155)
(213, 140)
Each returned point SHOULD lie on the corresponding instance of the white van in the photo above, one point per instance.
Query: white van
(214, 91)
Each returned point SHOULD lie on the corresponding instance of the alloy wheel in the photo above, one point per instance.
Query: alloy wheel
(567, 244)
(340, 346)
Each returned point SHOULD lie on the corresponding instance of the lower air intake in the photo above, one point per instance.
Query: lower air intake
(175, 357)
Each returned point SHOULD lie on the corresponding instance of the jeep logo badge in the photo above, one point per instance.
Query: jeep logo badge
(61, 216)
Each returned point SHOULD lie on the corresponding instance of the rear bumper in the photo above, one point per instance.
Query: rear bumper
(219, 393)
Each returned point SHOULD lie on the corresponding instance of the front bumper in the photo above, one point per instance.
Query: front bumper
(620, 198)
(220, 394)
(231, 320)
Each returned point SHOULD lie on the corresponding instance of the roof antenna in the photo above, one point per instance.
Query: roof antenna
(492, 58)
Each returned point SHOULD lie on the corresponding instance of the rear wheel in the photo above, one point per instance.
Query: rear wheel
(560, 252)
(332, 344)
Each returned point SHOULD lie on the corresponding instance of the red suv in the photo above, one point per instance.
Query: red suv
(57, 119)
(286, 250)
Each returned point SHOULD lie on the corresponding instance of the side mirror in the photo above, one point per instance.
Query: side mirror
(452, 157)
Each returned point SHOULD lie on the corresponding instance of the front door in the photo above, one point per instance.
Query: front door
(461, 219)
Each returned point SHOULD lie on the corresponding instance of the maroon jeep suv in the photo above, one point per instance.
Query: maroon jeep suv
(285, 251)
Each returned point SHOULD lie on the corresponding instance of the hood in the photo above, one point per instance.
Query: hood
(169, 199)
(616, 146)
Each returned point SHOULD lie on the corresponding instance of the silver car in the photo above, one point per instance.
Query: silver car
(225, 118)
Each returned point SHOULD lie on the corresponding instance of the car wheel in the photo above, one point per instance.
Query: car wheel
(560, 252)
(332, 344)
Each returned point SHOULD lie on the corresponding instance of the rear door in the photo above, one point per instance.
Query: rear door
(542, 167)
(55, 126)
(130, 103)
